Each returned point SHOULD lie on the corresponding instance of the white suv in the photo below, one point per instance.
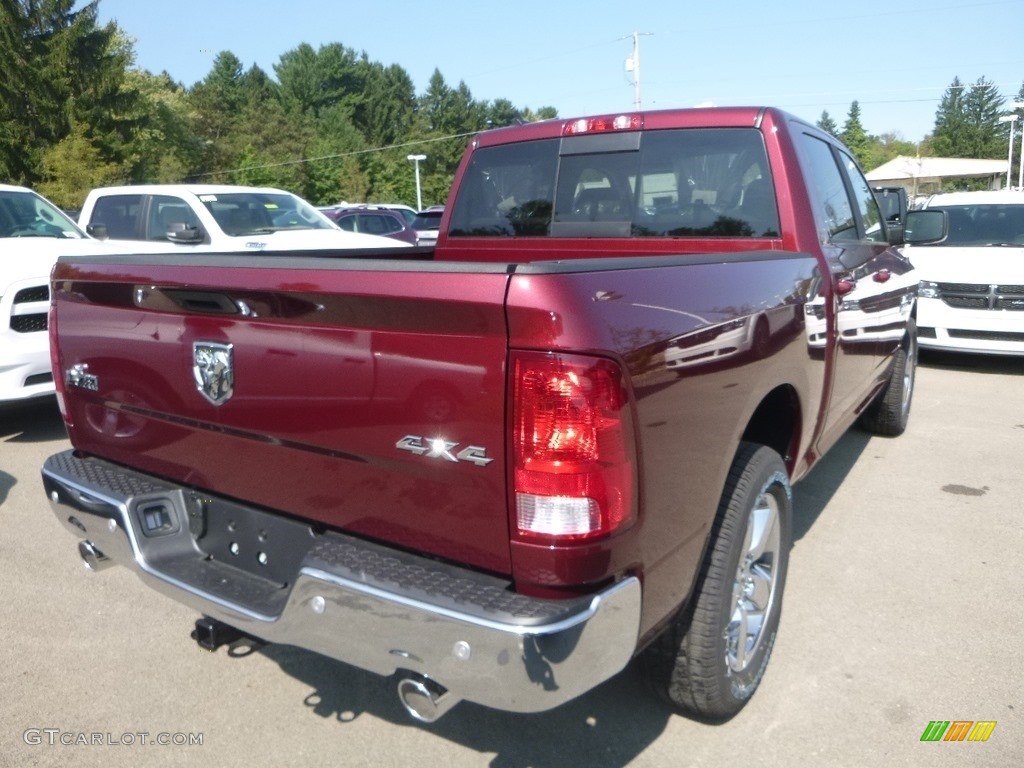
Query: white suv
(33, 233)
(157, 218)
(971, 295)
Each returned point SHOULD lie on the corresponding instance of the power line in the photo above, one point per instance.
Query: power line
(353, 153)
(420, 142)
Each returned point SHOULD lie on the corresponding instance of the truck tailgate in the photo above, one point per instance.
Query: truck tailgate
(366, 396)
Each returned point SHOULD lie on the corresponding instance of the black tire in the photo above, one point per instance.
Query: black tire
(889, 413)
(698, 665)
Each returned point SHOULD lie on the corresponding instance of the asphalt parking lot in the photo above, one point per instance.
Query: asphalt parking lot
(901, 609)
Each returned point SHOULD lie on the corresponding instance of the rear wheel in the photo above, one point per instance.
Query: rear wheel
(712, 658)
(889, 413)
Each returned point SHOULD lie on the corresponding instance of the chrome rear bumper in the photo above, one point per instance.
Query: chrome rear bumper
(376, 608)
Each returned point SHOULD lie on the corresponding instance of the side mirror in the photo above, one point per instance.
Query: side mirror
(893, 203)
(180, 232)
(925, 226)
(99, 231)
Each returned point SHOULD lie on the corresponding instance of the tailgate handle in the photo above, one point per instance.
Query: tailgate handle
(207, 302)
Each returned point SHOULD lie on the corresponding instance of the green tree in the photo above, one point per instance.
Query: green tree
(502, 112)
(388, 110)
(543, 113)
(827, 124)
(888, 146)
(854, 136)
(983, 105)
(216, 101)
(164, 147)
(393, 176)
(73, 166)
(335, 171)
(270, 142)
(59, 69)
(248, 134)
(967, 122)
(949, 121)
(315, 80)
(447, 117)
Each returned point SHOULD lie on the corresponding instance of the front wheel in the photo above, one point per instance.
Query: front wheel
(709, 662)
(889, 413)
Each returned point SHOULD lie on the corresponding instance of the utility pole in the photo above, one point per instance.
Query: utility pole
(1020, 177)
(1011, 119)
(633, 65)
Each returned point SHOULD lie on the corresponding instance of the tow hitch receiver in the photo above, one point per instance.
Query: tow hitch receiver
(211, 634)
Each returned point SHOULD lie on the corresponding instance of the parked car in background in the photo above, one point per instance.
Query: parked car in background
(971, 295)
(214, 218)
(372, 220)
(33, 233)
(427, 224)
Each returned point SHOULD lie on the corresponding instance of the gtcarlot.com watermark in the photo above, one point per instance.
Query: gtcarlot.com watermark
(58, 737)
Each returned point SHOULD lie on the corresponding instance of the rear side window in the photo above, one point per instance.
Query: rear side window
(119, 213)
(832, 210)
(378, 224)
(867, 203)
(676, 183)
(837, 208)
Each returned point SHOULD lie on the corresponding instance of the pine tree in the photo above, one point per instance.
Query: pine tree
(451, 113)
(986, 137)
(827, 124)
(967, 122)
(59, 69)
(949, 121)
(854, 136)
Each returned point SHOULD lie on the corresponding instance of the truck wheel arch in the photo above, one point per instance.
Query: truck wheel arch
(711, 657)
(776, 423)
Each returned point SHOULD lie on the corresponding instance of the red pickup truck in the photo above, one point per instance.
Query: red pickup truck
(501, 469)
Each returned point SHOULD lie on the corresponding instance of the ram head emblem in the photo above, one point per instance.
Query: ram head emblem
(213, 367)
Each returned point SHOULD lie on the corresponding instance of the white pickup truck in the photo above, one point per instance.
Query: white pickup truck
(33, 233)
(215, 218)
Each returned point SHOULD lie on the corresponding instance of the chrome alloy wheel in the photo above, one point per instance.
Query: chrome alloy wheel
(753, 592)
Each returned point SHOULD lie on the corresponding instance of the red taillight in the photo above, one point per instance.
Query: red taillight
(604, 124)
(573, 448)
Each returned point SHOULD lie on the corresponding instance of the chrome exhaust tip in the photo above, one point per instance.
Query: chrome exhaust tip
(94, 559)
(425, 700)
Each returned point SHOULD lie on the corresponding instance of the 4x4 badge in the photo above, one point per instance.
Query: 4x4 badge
(439, 448)
(213, 368)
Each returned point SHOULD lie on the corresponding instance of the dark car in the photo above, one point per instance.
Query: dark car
(372, 221)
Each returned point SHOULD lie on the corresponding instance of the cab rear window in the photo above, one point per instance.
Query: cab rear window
(676, 183)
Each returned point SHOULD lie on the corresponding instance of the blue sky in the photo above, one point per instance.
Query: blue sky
(895, 58)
